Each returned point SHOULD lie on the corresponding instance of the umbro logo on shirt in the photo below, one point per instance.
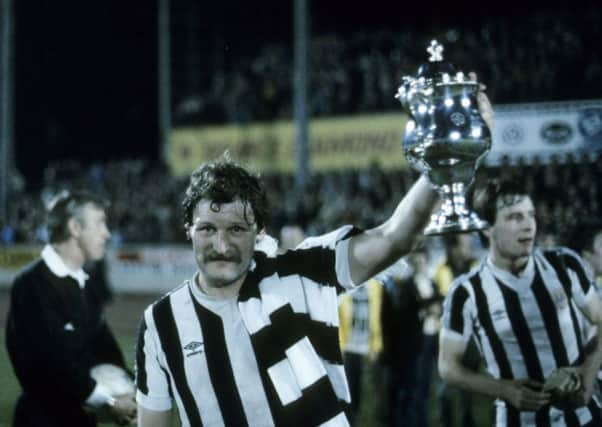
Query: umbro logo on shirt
(498, 315)
(194, 347)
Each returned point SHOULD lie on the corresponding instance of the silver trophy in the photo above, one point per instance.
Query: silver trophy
(446, 138)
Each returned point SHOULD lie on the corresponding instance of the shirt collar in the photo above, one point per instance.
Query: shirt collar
(520, 282)
(58, 267)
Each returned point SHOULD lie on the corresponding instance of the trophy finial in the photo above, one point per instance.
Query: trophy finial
(436, 51)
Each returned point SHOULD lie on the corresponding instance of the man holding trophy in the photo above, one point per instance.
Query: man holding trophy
(252, 339)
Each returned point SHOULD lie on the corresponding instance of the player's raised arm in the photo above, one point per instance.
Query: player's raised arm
(375, 249)
(372, 251)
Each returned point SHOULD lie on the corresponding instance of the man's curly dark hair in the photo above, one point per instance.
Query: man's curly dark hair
(223, 181)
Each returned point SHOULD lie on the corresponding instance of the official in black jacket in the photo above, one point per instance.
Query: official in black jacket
(55, 331)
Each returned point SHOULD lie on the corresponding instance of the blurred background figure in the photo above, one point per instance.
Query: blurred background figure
(547, 239)
(361, 342)
(430, 313)
(459, 259)
(586, 240)
(290, 236)
(56, 331)
(402, 319)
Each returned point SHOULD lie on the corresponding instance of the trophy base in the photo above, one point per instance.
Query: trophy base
(450, 224)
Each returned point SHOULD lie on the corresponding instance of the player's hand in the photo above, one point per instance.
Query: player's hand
(485, 108)
(588, 384)
(568, 389)
(123, 411)
(524, 394)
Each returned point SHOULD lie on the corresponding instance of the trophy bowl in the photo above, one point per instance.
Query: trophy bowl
(445, 138)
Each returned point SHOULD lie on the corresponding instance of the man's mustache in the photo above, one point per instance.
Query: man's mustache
(227, 257)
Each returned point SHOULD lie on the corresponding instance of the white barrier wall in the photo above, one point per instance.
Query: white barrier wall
(140, 269)
(149, 269)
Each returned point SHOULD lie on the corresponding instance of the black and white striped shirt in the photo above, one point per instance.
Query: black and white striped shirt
(525, 326)
(269, 357)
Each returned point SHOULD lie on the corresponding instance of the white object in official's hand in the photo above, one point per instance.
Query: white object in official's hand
(114, 378)
(121, 407)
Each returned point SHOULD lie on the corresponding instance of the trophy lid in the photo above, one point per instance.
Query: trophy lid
(436, 65)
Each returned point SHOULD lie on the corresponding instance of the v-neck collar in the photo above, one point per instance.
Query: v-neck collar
(519, 283)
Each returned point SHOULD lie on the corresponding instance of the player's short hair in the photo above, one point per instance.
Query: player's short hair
(66, 205)
(223, 181)
(486, 200)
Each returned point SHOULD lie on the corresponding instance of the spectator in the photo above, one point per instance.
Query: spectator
(430, 303)
(361, 339)
(402, 340)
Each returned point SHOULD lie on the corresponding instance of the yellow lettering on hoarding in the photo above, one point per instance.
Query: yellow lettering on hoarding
(334, 143)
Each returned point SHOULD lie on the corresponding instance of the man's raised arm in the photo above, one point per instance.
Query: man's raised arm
(375, 249)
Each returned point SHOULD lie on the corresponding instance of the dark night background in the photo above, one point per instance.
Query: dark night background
(85, 80)
(86, 73)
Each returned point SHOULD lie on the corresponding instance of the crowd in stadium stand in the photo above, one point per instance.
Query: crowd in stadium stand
(146, 200)
(528, 58)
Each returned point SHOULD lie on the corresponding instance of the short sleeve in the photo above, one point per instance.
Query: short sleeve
(152, 382)
(457, 320)
(583, 283)
(339, 241)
